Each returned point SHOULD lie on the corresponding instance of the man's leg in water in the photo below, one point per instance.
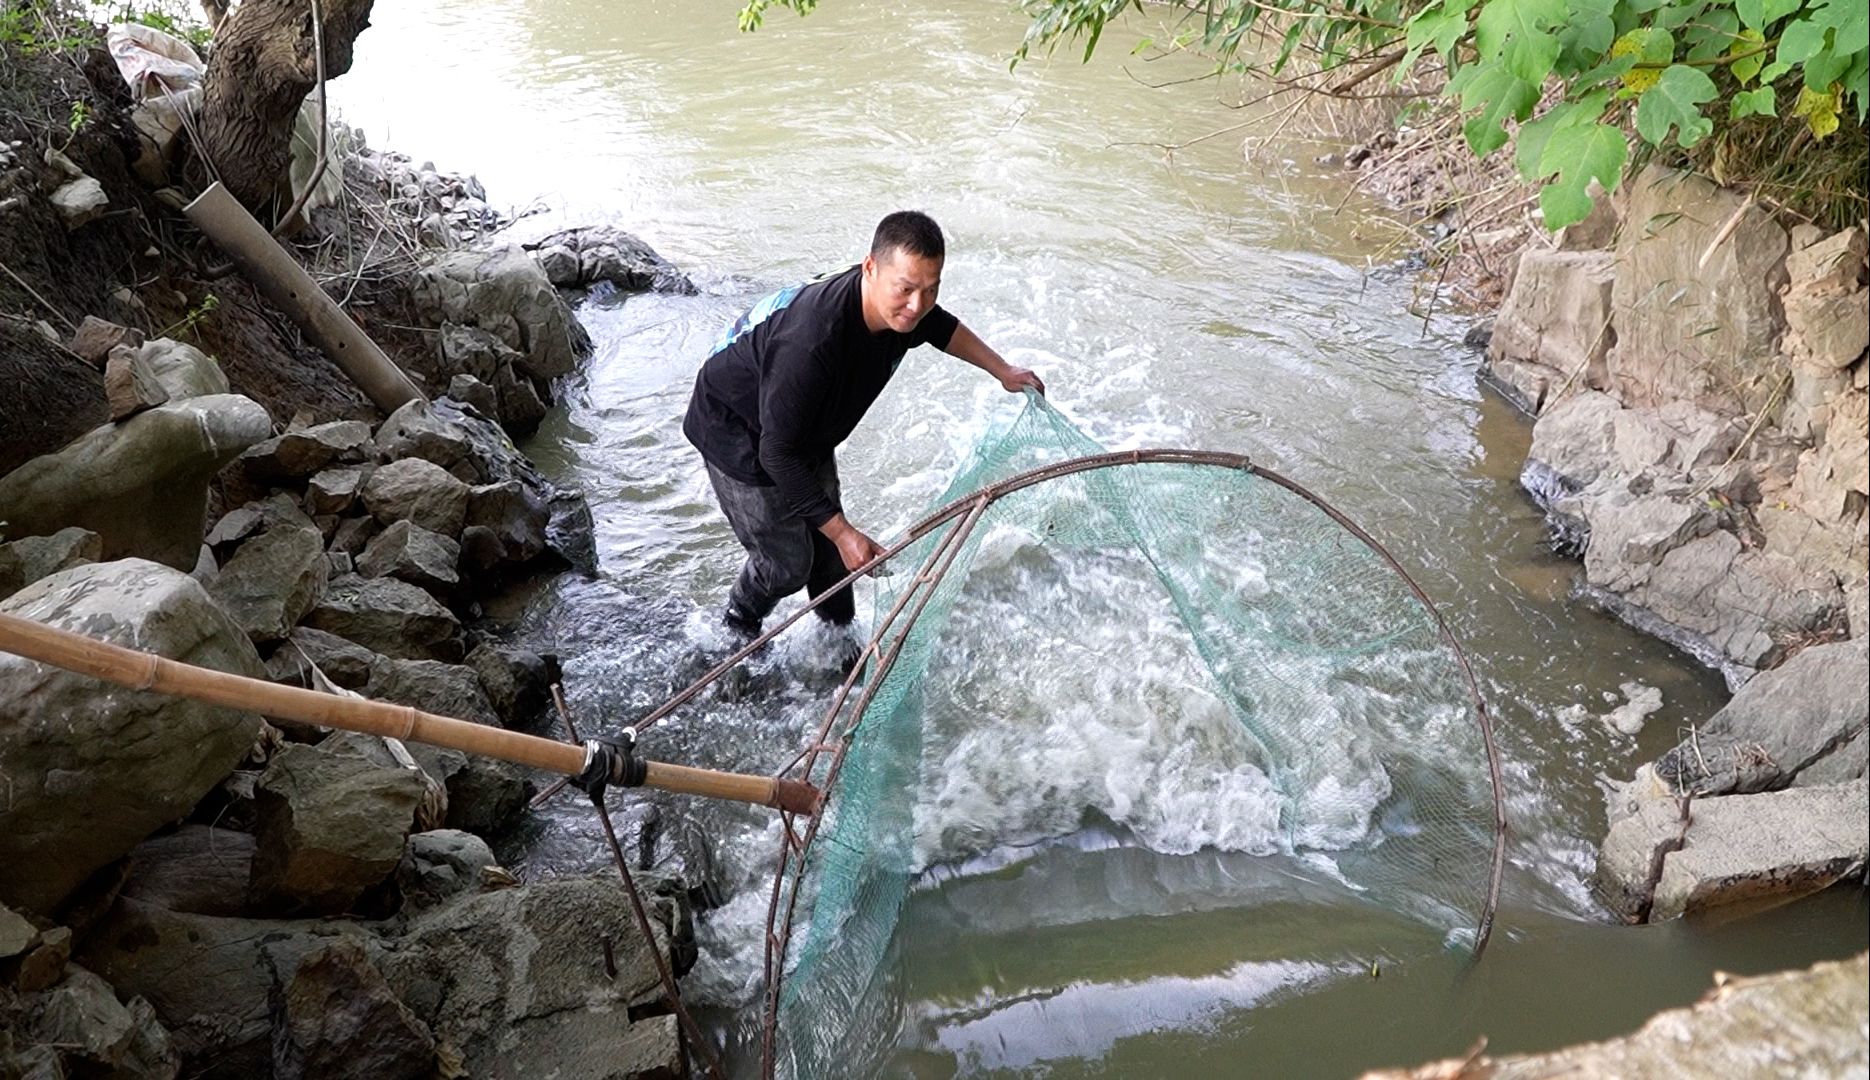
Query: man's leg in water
(779, 549)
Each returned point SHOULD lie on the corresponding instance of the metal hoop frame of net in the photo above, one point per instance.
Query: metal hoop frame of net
(1357, 602)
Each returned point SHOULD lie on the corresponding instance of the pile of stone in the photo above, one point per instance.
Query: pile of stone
(587, 257)
(448, 210)
(1698, 377)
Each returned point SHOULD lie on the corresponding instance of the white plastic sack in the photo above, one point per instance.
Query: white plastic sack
(153, 63)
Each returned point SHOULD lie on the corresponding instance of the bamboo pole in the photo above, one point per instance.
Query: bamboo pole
(146, 671)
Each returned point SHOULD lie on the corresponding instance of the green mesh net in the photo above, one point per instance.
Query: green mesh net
(1273, 683)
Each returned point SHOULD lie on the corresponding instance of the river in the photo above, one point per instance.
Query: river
(1199, 296)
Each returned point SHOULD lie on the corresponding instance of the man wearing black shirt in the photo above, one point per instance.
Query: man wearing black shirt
(789, 382)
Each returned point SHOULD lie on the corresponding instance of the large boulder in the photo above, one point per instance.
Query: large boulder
(183, 370)
(508, 978)
(345, 663)
(1777, 845)
(518, 683)
(584, 256)
(331, 825)
(1557, 317)
(210, 979)
(1782, 723)
(503, 292)
(1576, 437)
(95, 768)
(94, 1034)
(415, 431)
(441, 864)
(196, 868)
(142, 484)
(272, 581)
(388, 616)
(448, 689)
(510, 522)
(1696, 320)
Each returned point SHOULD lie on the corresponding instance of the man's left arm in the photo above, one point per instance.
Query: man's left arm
(966, 345)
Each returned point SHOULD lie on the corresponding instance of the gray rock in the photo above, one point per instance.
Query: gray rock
(209, 978)
(516, 516)
(353, 535)
(518, 683)
(1828, 331)
(469, 350)
(1631, 533)
(197, 869)
(414, 431)
(334, 491)
(508, 978)
(94, 769)
(502, 287)
(141, 485)
(302, 452)
(603, 253)
(561, 266)
(418, 491)
(80, 202)
(1781, 723)
(330, 826)
(472, 392)
(388, 616)
(1647, 822)
(1557, 315)
(1781, 844)
(1833, 264)
(1849, 761)
(449, 689)
(183, 370)
(82, 1017)
(272, 581)
(1689, 329)
(484, 795)
(441, 864)
(521, 407)
(340, 1020)
(345, 663)
(1576, 436)
(413, 554)
(16, 934)
(95, 338)
(45, 963)
(130, 385)
(30, 558)
(570, 532)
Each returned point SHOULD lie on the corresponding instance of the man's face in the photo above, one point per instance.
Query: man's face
(903, 286)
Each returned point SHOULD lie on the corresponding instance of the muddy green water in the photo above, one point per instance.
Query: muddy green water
(1206, 298)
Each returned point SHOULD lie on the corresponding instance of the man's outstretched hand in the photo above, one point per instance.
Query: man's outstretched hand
(1018, 378)
(854, 547)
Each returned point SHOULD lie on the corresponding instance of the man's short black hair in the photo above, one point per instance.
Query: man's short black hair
(911, 231)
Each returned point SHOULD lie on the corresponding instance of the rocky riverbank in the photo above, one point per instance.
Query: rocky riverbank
(1697, 371)
(191, 889)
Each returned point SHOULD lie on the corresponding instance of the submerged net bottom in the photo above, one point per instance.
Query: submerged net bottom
(1190, 655)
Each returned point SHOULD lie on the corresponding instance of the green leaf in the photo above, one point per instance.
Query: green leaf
(1529, 143)
(1825, 68)
(1852, 32)
(1518, 32)
(1578, 153)
(1675, 102)
(1748, 66)
(1498, 95)
(1760, 102)
(1772, 71)
(1774, 10)
(1801, 41)
(1440, 25)
(1749, 12)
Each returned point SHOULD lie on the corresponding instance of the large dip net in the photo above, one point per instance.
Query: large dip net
(1318, 711)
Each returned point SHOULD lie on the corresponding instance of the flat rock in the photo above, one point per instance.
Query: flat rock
(1780, 844)
(345, 663)
(1576, 436)
(1557, 315)
(196, 868)
(334, 491)
(300, 453)
(388, 616)
(95, 338)
(96, 768)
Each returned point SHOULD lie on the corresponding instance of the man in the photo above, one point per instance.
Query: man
(789, 382)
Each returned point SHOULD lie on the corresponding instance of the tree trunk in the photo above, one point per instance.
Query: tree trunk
(262, 66)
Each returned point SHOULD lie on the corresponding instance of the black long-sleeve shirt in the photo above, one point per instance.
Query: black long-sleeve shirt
(790, 382)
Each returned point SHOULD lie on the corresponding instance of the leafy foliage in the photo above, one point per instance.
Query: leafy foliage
(1677, 71)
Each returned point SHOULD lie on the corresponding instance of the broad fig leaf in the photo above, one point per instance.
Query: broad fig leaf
(1675, 102)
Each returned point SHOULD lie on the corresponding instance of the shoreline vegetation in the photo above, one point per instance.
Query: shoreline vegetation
(1682, 313)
